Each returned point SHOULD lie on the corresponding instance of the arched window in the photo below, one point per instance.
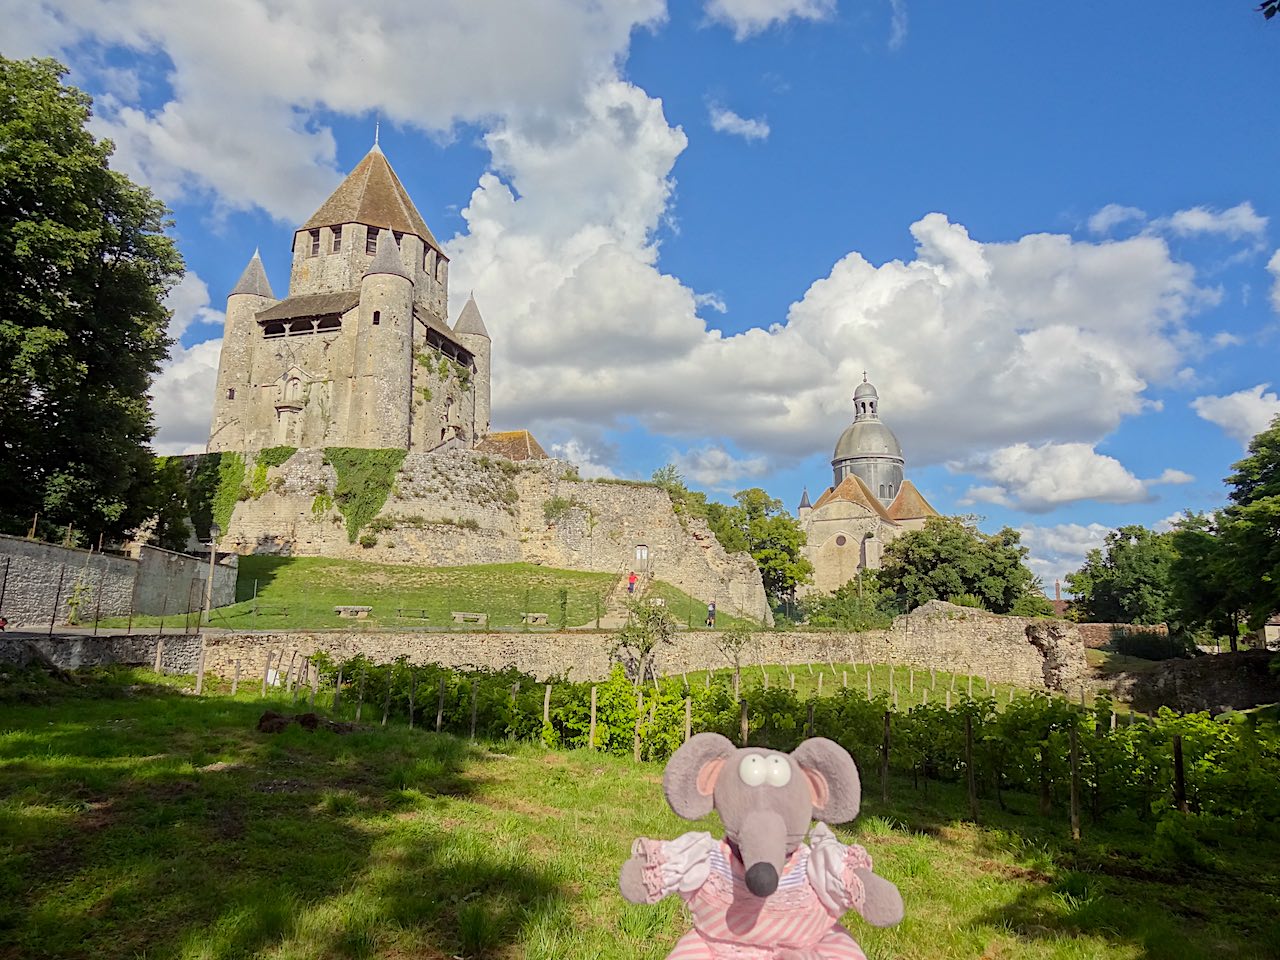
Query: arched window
(882, 491)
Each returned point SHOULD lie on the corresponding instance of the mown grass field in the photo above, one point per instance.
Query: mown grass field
(138, 821)
(299, 593)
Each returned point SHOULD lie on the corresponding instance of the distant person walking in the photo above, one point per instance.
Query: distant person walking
(711, 614)
(631, 582)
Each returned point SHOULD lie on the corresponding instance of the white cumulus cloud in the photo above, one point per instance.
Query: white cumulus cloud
(897, 23)
(1059, 549)
(584, 457)
(182, 393)
(1234, 223)
(724, 120)
(1242, 414)
(1111, 216)
(714, 467)
(749, 17)
(1273, 267)
(1042, 477)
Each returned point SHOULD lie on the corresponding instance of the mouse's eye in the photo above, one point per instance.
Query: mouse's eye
(753, 769)
(777, 771)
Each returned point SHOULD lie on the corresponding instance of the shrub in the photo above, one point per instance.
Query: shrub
(365, 478)
(275, 456)
(1147, 644)
(555, 509)
(368, 541)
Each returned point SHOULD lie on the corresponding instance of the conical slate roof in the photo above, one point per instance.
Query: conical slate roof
(373, 195)
(852, 489)
(469, 321)
(387, 259)
(804, 499)
(910, 504)
(254, 280)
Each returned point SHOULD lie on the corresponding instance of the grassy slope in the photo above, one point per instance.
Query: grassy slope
(139, 822)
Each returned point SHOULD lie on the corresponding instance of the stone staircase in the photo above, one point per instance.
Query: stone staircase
(615, 611)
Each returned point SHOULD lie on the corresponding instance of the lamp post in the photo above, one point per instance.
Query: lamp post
(214, 530)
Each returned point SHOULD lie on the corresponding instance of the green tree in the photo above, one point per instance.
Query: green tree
(1207, 585)
(860, 604)
(950, 557)
(84, 266)
(1251, 534)
(1127, 580)
(760, 525)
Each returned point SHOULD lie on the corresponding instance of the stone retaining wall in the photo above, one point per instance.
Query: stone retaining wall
(181, 652)
(1033, 653)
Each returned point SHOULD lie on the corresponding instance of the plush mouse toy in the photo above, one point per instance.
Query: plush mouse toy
(762, 893)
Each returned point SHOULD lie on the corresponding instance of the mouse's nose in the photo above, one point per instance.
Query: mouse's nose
(762, 879)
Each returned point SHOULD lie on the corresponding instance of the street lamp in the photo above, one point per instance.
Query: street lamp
(214, 530)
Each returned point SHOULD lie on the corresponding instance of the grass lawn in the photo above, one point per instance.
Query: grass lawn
(1108, 663)
(301, 592)
(138, 821)
(691, 612)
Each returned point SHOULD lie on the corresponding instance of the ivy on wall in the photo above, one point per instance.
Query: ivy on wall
(274, 456)
(231, 471)
(365, 478)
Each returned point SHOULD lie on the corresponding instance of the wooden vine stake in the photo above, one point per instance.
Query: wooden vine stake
(743, 724)
(159, 665)
(868, 681)
(968, 767)
(844, 679)
(688, 718)
(1075, 787)
(819, 683)
(235, 679)
(337, 691)
(591, 735)
(360, 696)
(413, 685)
(475, 692)
(266, 672)
(440, 707)
(386, 704)
(884, 760)
(546, 704)
(200, 671)
(315, 685)
(809, 726)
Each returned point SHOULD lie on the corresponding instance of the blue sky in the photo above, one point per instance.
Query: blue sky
(1044, 230)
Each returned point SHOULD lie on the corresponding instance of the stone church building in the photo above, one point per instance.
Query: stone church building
(869, 503)
(360, 352)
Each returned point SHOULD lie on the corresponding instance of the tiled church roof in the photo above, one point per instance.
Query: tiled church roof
(514, 445)
(373, 195)
(910, 504)
(853, 490)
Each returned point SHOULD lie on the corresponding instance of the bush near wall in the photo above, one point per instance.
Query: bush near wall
(1232, 763)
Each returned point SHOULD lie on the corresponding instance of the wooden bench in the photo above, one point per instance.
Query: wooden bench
(357, 612)
(478, 618)
(656, 602)
(534, 619)
(412, 613)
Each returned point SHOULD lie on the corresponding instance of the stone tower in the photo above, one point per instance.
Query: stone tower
(868, 449)
(360, 353)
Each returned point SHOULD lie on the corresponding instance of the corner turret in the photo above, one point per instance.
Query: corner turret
(383, 355)
(471, 331)
(249, 297)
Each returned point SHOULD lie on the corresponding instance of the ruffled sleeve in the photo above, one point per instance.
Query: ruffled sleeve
(674, 866)
(832, 867)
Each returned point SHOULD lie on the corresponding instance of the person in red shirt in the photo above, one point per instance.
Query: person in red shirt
(631, 582)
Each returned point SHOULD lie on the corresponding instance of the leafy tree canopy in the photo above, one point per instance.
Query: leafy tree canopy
(1251, 532)
(1127, 580)
(861, 604)
(84, 266)
(1208, 589)
(950, 557)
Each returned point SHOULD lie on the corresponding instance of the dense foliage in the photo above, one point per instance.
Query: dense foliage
(1232, 764)
(365, 479)
(861, 604)
(1128, 580)
(84, 268)
(950, 558)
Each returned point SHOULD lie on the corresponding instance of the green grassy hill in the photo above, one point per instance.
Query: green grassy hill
(137, 820)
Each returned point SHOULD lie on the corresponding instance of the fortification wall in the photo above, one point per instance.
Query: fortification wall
(1040, 654)
(36, 576)
(181, 652)
(459, 507)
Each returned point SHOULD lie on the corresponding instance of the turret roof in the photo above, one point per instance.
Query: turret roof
(387, 259)
(852, 489)
(254, 280)
(372, 194)
(470, 321)
(804, 499)
(910, 504)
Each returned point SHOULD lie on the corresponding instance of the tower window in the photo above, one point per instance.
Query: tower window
(371, 241)
(377, 317)
(315, 243)
(337, 239)
(882, 491)
(231, 393)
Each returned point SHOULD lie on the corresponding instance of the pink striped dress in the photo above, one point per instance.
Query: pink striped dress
(817, 886)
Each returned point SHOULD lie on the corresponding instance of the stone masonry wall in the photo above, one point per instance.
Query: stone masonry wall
(181, 653)
(93, 584)
(1040, 654)
(459, 507)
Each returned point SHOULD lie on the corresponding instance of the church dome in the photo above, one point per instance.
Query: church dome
(867, 438)
(865, 390)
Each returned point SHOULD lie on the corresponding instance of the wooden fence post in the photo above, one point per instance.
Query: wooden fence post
(968, 767)
(200, 671)
(475, 692)
(688, 718)
(844, 677)
(440, 706)
(884, 760)
(791, 678)
(266, 672)
(924, 695)
(868, 681)
(1075, 787)
(288, 675)
(591, 734)
(337, 690)
(1179, 776)
(948, 700)
(297, 680)
(546, 704)
(159, 665)
(819, 683)
(809, 726)
(743, 723)
(235, 679)
(911, 681)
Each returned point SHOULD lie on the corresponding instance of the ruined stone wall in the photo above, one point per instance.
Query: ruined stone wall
(1039, 654)
(181, 652)
(93, 584)
(459, 508)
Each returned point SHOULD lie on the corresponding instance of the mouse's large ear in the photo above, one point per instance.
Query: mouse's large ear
(691, 774)
(834, 786)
